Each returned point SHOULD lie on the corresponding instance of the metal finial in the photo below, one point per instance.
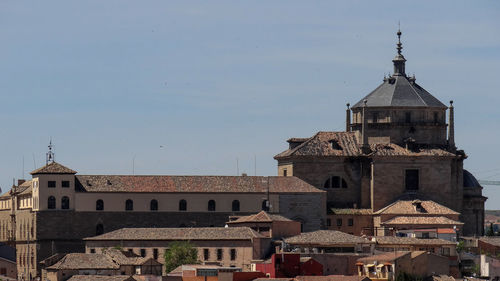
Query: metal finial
(50, 157)
(348, 104)
(400, 45)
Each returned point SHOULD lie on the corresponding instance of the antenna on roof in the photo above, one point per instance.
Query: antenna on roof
(50, 156)
(255, 165)
(237, 167)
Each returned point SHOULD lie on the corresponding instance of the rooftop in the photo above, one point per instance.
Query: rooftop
(346, 144)
(262, 216)
(240, 184)
(495, 241)
(334, 211)
(421, 220)
(85, 261)
(333, 278)
(326, 238)
(384, 257)
(392, 240)
(172, 234)
(409, 207)
(53, 168)
(101, 278)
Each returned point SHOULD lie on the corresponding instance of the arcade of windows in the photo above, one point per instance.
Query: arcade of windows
(335, 182)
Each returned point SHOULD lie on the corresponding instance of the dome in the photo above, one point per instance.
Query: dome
(470, 181)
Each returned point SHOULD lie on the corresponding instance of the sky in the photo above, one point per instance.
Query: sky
(216, 87)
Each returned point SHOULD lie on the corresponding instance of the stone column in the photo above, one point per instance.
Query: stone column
(348, 119)
(451, 128)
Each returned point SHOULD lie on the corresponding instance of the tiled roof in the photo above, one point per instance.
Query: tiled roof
(495, 241)
(392, 240)
(334, 211)
(240, 184)
(399, 91)
(101, 278)
(407, 207)
(333, 278)
(85, 261)
(53, 168)
(275, 279)
(262, 216)
(384, 257)
(325, 238)
(346, 144)
(125, 257)
(421, 220)
(194, 233)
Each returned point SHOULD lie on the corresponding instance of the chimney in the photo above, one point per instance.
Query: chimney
(20, 181)
(451, 128)
(348, 118)
(364, 138)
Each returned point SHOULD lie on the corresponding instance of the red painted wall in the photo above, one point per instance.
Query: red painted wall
(288, 265)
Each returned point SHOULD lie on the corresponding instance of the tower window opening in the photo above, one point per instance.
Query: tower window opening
(408, 117)
(411, 179)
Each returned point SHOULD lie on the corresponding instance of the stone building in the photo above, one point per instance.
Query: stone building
(56, 209)
(397, 146)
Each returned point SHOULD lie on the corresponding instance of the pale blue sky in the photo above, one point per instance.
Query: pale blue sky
(213, 81)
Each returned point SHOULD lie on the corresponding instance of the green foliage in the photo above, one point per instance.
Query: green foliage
(460, 246)
(490, 231)
(180, 253)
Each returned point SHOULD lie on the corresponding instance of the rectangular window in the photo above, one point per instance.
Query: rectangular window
(350, 222)
(219, 254)
(92, 251)
(408, 117)
(155, 254)
(65, 183)
(143, 253)
(51, 183)
(328, 222)
(206, 254)
(436, 117)
(411, 179)
(374, 117)
(339, 222)
(233, 254)
(284, 172)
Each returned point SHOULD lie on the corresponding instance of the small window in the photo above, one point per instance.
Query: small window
(339, 222)
(182, 205)
(211, 205)
(99, 229)
(265, 205)
(233, 254)
(143, 253)
(153, 205)
(51, 202)
(374, 117)
(335, 182)
(92, 251)
(350, 222)
(436, 117)
(328, 222)
(99, 205)
(129, 205)
(51, 184)
(65, 184)
(219, 254)
(155, 254)
(65, 203)
(408, 117)
(206, 254)
(411, 179)
(236, 206)
(284, 172)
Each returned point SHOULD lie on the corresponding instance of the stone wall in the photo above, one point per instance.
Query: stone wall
(309, 209)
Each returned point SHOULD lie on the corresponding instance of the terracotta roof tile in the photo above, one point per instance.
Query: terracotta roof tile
(85, 261)
(385, 257)
(346, 144)
(101, 278)
(326, 238)
(53, 168)
(332, 278)
(194, 233)
(262, 216)
(495, 241)
(334, 211)
(241, 184)
(408, 207)
(420, 220)
(392, 240)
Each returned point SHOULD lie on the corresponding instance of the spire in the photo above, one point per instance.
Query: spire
(399, 60)
(50, 157)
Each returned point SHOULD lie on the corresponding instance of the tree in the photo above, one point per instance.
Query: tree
(180, 253)
(490, 231)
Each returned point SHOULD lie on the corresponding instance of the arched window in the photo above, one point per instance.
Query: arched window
(65, 202)
(129, 205)
(236, 206)
(211, 205)
(265, 205)
(153, 205)
(51, 202)
(99, 205)
(99, 229)
(182, 205)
